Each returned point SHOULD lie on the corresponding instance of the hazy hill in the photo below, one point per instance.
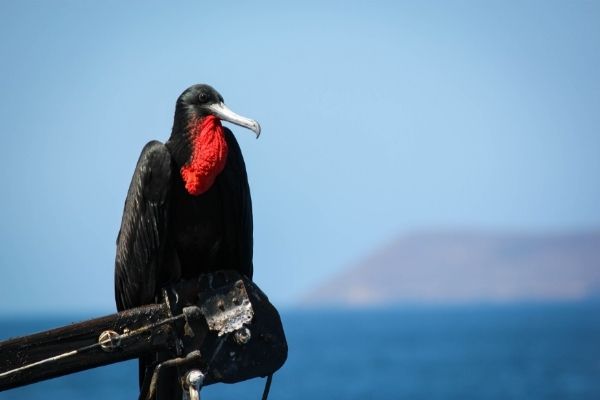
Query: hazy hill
(470, 267)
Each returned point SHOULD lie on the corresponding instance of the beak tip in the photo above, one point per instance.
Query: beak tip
(256, 129)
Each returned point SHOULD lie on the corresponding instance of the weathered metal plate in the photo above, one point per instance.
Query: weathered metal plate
(228, 312)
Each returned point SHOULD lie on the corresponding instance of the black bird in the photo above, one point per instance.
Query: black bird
(188, 209)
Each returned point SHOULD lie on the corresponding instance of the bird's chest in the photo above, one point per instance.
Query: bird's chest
(197, 221)
(197, 230)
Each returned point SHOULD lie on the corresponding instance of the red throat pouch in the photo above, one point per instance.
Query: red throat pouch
(208, 157)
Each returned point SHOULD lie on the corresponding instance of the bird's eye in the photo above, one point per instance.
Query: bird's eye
(203, 97)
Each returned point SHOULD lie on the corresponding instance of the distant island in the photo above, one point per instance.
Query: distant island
(469, 267)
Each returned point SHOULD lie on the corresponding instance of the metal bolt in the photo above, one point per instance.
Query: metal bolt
(242, 335)
(109, 340)
(194, 379)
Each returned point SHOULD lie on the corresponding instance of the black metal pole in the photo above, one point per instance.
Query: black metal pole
(221, 324)
(85, 345)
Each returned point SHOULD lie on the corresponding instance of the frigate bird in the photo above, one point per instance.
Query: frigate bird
(188, 209)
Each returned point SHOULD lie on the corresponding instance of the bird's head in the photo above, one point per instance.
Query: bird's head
(198, 141)
(200, 101)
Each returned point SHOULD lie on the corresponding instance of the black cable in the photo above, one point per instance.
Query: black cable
(267, 387)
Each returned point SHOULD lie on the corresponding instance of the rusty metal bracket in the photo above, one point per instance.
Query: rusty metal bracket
(226, 313)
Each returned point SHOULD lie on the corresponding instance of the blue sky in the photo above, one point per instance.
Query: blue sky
(378, 119)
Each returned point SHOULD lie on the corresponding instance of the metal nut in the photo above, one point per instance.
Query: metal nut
(242, 335)
(109, 340)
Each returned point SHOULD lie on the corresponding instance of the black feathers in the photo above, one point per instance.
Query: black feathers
(166, 233)
(142, 236)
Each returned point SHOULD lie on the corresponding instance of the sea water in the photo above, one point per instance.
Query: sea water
(454, 352)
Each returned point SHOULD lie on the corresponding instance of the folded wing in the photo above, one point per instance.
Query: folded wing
(142, 238)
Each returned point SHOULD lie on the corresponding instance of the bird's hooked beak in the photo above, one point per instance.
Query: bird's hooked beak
(223, 112)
